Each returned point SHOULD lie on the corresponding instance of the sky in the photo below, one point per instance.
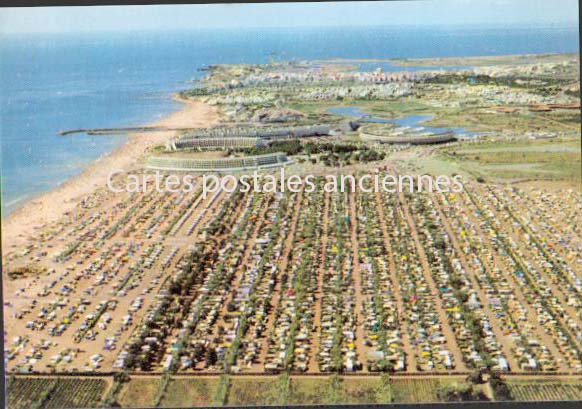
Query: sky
(388, 13)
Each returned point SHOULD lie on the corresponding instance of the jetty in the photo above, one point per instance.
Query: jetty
(120, 131)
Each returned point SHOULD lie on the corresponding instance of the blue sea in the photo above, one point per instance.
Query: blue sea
(55, 82)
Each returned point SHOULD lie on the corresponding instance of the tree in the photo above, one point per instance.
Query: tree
(476, 377)
(175, 288)
(211, 357)
(500, 389)
(121, 377)
(199, 352)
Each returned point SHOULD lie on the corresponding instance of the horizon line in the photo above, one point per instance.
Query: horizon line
(521, 25)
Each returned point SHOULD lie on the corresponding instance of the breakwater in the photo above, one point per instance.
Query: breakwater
(120, 131)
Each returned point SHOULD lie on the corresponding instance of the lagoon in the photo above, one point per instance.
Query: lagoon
(410, 121)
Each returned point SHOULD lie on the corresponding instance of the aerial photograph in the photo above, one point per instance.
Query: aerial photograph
(291, 203)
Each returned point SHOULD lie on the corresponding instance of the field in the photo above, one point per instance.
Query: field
(545, 390)
(142, 391)
(42, 392)
(415, 390)
(255, 391)
(139, 392)
(189, 392)
(558, 159)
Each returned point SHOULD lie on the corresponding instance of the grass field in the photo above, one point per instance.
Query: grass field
(313, 391)
(482, 120)
(416, 390)
(139, 392)
(189, 392)
(255, 391)
(557, 159)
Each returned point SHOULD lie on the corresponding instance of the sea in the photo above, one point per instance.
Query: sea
(53, 82)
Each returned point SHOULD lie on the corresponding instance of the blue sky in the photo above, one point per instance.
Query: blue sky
(390, 13)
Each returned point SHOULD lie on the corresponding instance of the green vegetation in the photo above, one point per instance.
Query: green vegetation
(554, 159)
(186, 392)
(482, 60)
(194, 92)
(330, 154)
(292, 147)
(52, 392)
(384, 392)
(119, 379)
(415, 390)
(221, 392)
(544, 390)
(500, 389)
(459, 392)
(161, 389)
(139, 392)
(483, 119)
(546, 88)
(259, 391)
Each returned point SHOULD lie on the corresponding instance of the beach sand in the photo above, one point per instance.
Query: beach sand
(51, 206)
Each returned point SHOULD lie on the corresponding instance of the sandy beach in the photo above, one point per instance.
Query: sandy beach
(50, 206)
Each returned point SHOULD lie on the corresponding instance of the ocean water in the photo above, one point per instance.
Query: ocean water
(55, 82)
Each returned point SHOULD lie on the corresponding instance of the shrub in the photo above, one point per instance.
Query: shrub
(459, 392)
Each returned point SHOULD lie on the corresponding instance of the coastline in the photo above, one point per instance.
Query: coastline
(50, 206)
(473, 61)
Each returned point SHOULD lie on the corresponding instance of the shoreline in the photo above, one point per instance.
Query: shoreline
(47, 207)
